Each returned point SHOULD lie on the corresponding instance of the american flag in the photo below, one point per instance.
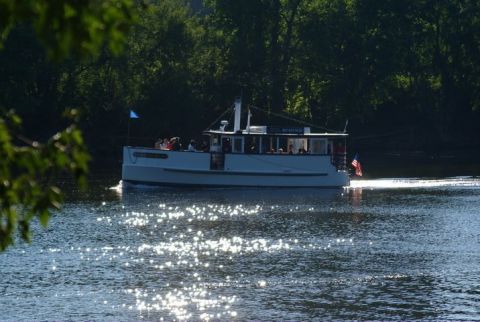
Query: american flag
(358, 167)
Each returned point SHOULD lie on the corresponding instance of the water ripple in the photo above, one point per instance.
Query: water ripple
(404, 249)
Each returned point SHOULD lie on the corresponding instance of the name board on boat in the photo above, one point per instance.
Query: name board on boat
(285, 130)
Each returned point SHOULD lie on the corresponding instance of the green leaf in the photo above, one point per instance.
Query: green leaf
(44, 217)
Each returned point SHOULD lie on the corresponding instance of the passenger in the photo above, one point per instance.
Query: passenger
(176, 144)
(204, 146)
(226, 146)
(165, 145)
(290, 149)
(192, 146)
(169, 145)
(158, 144)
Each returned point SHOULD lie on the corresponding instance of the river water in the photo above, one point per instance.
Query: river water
(396, 249)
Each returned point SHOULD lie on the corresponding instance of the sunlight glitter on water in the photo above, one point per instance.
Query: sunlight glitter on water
(183, 302)
(195, 258)
(401, 249)
(186, 253)
(182, 248)
(207, 213)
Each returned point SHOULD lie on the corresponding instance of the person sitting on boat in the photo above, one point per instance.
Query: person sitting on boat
(290, 149)
(158, 144)
(165, 144)
(204, 147)
(191, 146)
(175, 144)
(226, 146)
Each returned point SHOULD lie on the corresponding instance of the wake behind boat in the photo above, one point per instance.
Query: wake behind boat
(257, 156)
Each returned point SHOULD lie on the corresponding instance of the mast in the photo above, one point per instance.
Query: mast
(238, 112)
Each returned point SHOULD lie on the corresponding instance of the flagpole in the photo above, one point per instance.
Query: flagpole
(128, 130)
(132, 115)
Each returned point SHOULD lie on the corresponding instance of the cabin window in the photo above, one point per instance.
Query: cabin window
(215, 143)
(329, 147)
(237, 145)
(318, 146)
(297, 146)
(269, 144)
(251, 144)
(150, 155)
(282, 145)
(214, 140)
(226, 145)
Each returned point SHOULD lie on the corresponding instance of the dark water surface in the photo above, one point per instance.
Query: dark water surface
(385, 249)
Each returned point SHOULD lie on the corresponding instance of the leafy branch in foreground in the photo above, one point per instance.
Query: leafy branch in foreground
(27, 173)
(28, 169)
(71, 27)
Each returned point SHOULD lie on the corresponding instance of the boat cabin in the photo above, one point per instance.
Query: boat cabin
(291, 141)
(265, 139)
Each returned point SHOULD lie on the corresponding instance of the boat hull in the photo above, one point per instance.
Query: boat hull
(179, 168)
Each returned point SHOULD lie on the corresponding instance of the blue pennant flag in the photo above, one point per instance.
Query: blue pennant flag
(133, 115)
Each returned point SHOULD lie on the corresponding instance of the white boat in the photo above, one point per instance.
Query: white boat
(257, 156)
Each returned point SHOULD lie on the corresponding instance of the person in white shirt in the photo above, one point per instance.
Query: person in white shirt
(191, 146)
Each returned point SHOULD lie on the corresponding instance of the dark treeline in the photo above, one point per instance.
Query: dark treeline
(405, 73)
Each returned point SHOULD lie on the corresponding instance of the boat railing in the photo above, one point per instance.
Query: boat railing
(339, 160)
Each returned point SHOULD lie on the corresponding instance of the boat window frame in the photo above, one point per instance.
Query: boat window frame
(150, 155)
(311, 145)
(248, 141)
(215, 147)
(234, 140)
(267, 143)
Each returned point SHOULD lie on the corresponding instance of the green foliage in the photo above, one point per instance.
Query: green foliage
(154, 74)
(70, 26)
(389, 63)
(28, 168)
(27, 173)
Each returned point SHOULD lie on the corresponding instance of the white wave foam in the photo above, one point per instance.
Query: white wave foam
(395, 183)
(118, 188)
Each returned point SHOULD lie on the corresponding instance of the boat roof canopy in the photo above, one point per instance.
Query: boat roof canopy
(277, 131)
(263, 130)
